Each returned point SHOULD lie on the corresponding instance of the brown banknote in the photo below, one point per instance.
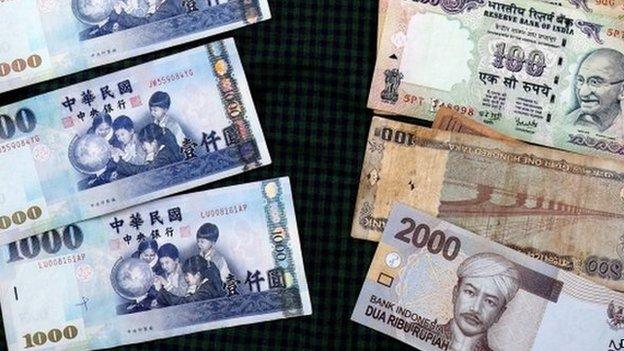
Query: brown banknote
(453, 121)
(565, 209)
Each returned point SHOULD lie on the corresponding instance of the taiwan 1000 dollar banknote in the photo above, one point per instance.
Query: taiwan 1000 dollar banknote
(175, 266)
(43, 39)
(565, 209)
(551, 75)
(126, 138)
(436, 286)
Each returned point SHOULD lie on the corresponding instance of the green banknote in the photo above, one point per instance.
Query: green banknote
(547, 74)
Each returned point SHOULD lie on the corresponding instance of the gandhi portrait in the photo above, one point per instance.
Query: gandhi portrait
(599, 91)
(486, 283)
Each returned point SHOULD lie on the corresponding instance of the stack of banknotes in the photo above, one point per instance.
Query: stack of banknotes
(499, 228)
(87, 261)
(502, 226)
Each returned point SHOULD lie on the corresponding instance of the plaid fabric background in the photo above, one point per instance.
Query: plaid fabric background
(309, 69)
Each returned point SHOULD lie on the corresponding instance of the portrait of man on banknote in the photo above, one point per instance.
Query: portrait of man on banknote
(486, 283)
(599, 91)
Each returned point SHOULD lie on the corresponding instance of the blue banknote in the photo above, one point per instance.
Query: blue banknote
(51, 38)
(174, 266)
(126, 138)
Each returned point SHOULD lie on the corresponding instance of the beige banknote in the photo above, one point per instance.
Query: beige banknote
(453, 121)
(383, 6)
(565, 209)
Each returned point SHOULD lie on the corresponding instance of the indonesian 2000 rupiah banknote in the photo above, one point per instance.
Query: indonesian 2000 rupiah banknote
(565, 209)
(43, 39)
(436, 287)
(126, 138)
(550, 75)
(175, 266)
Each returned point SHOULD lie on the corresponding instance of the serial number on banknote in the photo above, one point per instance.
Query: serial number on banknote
(60, 261)
(436, 104)
(464, 110)
(224, 211)
(14, 145)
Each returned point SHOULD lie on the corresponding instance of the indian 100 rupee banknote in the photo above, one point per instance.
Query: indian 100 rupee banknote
(550, 75)
(44, 39)
(126, 138)
(436, 286)
(613, 8)
(175, 266)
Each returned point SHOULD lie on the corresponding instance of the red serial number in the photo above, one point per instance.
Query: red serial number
(13, 145)
(413, 99)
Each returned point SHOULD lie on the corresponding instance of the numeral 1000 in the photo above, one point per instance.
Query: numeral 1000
(278, 245)
(51, 242)
(19, 64)
(54, 335)
(19, 217)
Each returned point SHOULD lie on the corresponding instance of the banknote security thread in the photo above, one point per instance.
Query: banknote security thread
(125, 138)
(174, 266)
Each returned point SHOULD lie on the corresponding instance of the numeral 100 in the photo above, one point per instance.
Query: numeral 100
(18, 65)
(54, 335)
(515, 59)
(51, 241)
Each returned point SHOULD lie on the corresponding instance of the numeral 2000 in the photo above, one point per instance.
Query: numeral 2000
(55, 335)
(435, 241)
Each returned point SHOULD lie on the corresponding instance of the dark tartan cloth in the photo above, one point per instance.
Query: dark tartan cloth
(309, 69)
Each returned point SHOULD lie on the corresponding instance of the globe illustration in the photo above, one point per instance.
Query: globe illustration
(131, 278)
(92, 11)
(89, 153)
